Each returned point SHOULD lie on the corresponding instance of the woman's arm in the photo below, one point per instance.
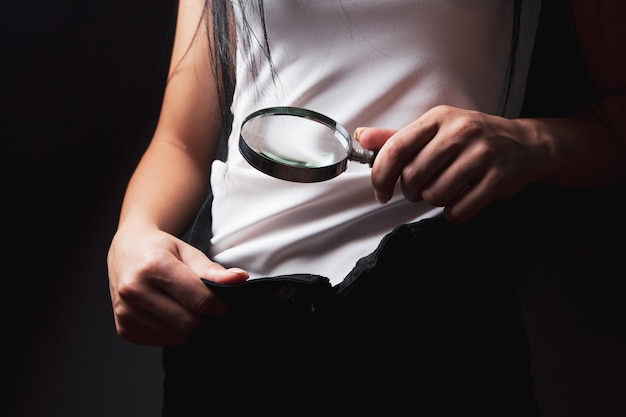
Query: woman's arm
(171, 179)
(592, 151)
(466, 160)
(156, 291)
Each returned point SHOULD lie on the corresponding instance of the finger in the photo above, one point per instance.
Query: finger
(149, 330)
(494, 185)
(186, 288)
(195, 295)
(372, 137)
(453, 178)
(151, 317)
(396, 153)
(428, 173)
(468, 203)
(198, 262)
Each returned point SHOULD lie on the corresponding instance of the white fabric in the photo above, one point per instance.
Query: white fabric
(362, 63)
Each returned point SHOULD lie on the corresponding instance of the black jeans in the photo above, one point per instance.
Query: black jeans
(428, 324)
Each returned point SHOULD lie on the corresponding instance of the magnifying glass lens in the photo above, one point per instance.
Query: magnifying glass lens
(295, 141)
(297, 144)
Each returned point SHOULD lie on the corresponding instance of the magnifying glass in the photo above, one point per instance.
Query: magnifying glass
(299, 145)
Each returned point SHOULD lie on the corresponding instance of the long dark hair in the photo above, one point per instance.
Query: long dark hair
(220, 28)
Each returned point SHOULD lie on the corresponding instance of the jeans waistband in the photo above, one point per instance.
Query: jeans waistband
(429, 250)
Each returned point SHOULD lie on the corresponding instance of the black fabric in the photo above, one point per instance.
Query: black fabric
(428, 323)
(558, 80)
(201, 231)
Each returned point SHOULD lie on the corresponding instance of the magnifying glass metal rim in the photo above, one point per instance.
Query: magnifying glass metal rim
(293, 173)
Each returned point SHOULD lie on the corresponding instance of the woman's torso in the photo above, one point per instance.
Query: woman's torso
(362, 63)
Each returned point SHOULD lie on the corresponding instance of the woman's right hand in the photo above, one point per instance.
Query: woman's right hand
(157, 295)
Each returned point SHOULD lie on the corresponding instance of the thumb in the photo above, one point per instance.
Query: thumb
(204, 267)
(372, 137)
(226, 276)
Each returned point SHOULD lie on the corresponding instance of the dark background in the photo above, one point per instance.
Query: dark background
(81, 89)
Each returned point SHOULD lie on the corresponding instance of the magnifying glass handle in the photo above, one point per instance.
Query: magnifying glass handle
(364, 156)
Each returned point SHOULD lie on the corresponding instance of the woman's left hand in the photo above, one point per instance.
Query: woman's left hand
(458, 159)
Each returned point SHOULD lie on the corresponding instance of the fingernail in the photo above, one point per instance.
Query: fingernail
(237, 271)
(381, 198)
(357, 132)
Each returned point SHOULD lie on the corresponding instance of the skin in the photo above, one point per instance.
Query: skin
(460, 159)
(466, 160)
(154, 277)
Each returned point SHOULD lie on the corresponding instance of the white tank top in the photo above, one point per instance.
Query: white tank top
(362, 63)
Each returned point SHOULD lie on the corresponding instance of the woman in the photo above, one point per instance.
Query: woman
(302, 297)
